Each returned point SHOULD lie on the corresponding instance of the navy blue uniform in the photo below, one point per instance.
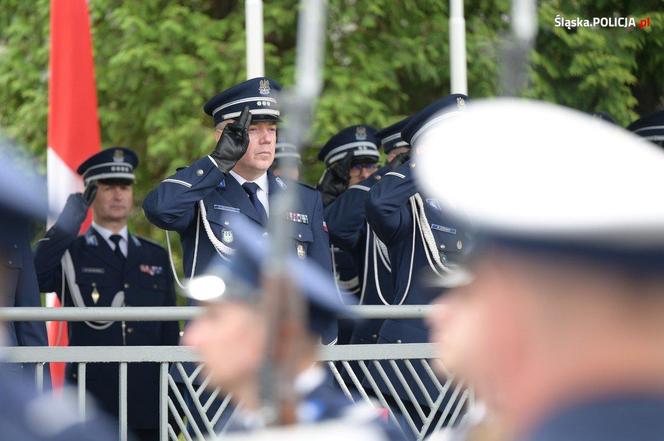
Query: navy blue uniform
(410, 236)
(174, 205)
(95, 276)
(349, 230)
(20, 285)
(624, 417)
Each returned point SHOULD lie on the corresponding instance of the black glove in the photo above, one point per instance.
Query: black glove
(399, 159)
(335, 179)
(233, 143)
(90, 193)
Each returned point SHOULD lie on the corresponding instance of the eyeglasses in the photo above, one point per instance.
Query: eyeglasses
(372, 166)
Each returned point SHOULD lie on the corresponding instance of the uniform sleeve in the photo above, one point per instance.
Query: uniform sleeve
(27, 294)
(346, 217)
(56, 241)
(172, 205)
(387, 205)
(319, 250)
(170, 331)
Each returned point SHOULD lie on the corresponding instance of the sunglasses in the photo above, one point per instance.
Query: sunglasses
(365, 166)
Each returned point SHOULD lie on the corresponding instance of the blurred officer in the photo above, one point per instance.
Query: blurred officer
(421, 240)
(350, 156)
(650, 127)
(232, 338)
(108, 266)
(287, 160)
(349, 231)
(564, 315)
(203, 202)
(24, 414)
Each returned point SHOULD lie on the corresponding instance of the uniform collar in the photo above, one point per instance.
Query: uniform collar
(261, 181)
(106, 233)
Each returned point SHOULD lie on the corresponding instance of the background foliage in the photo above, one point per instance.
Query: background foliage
(158, 61)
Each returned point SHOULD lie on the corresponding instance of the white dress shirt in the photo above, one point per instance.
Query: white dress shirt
(262, 192)
(106, 234)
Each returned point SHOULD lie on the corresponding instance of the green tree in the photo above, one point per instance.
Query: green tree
(158, 61)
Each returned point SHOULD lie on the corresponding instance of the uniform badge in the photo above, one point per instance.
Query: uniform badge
(95, 294)
(301, 253)
(361, 133)
(118, 156)
(281, 183)
(264, 87)
(91, 240)
(460, 102)
(459, 244)
(227, 236)
(151, 269)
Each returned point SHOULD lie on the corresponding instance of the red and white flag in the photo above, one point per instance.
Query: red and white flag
(73, 125)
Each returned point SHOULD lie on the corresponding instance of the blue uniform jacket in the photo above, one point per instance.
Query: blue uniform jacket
(145, 279)
(347, 224)
(390, 215)
(20, 285)
(173, 206)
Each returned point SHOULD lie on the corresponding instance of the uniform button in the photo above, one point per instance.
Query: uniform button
(130, 330)
(200, 172)
(442, 246)
(398, 341)
(15, 246)
(74, 375)
(10, 262)
(299, 236)
(374, 336)
(126, 285)
(154, 286)
(226, 223)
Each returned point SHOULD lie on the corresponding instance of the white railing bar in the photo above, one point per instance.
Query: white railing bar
(174, 313)
(173, 354)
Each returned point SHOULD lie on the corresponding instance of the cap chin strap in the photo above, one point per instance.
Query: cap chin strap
(69, 274)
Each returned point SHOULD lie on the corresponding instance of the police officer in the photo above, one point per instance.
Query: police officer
(650, 127)
(349, 231)
(421, 240)
(564, 314)
(287, 159)
(24, 414)
(350, 156)
(108, 266)
(232, 338)
(203, 202)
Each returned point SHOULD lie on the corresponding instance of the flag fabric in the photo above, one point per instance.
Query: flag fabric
(73, 124)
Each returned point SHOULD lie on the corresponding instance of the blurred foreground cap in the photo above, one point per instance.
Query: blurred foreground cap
(391, 138)
(547, 178)
(651, 127)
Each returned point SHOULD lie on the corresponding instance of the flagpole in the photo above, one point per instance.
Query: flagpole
(254, 31)
(458, 75)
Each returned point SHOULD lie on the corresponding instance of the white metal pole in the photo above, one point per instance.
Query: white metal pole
(458, 76)
(254, 31)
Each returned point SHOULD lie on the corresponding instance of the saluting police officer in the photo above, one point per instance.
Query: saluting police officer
(108, 266)
(421, 240)
(350, 156)
(202, 202)
(25, 414)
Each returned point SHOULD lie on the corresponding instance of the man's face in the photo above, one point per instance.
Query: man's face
(113, 202)
(260, 152)
(361, 171)
(230, 338)
(473, 330)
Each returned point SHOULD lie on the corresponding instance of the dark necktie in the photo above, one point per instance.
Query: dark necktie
(116, 238)
(251, 188)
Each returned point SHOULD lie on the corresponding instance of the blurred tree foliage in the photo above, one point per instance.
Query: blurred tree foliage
(158, 61)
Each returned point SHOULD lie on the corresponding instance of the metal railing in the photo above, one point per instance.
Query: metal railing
(389, 376)
(173, 313)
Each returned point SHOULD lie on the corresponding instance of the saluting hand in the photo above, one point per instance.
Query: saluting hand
(335, 179)
(90, 193)
(233, 143)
